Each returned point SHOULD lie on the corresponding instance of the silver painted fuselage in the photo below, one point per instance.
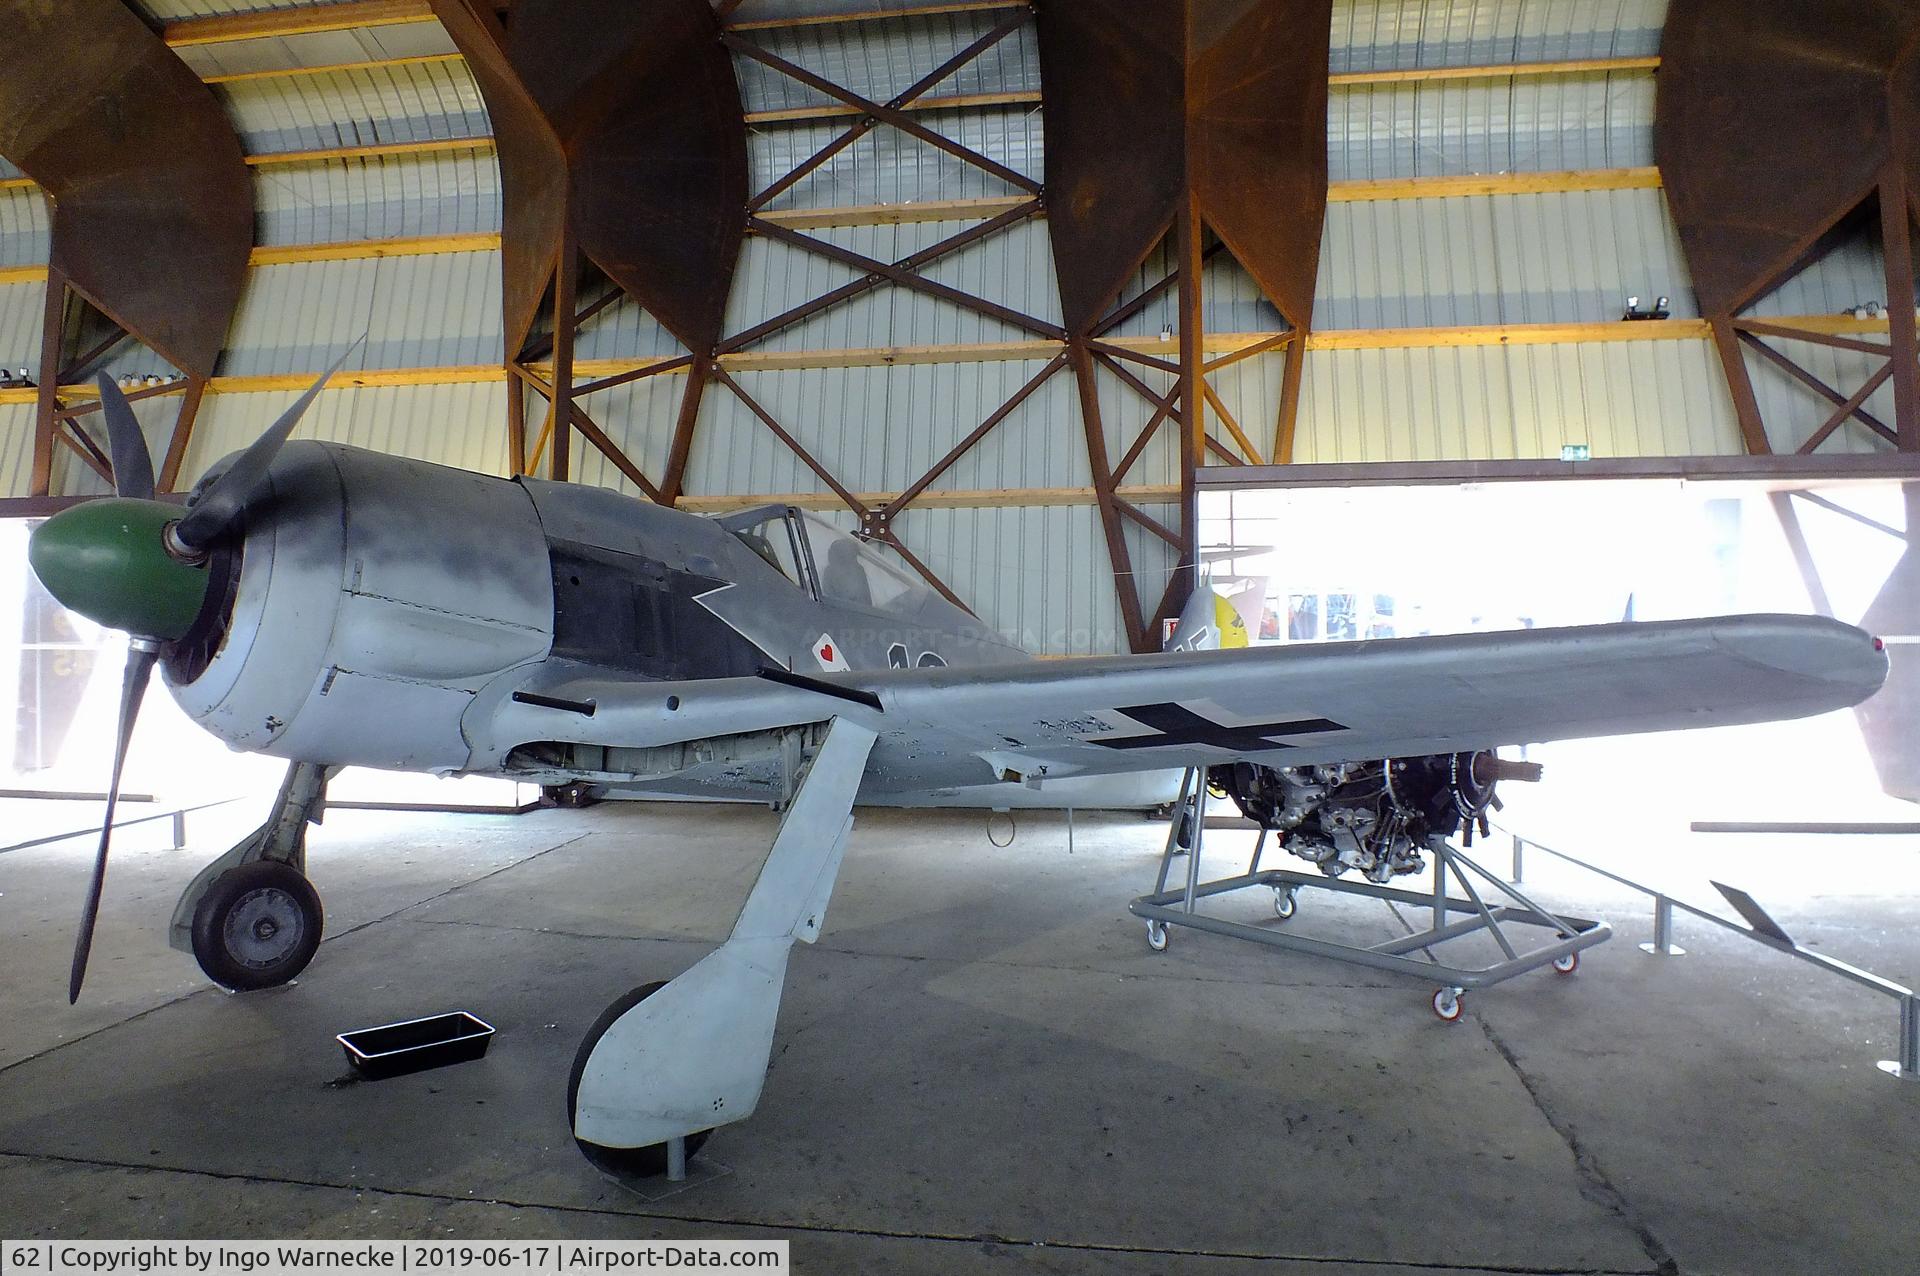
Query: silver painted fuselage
(386, 610)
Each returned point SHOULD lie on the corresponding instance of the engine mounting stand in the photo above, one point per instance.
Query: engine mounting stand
(1412, 954)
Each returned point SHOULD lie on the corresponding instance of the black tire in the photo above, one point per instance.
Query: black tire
(625, 1163)
(257, 926)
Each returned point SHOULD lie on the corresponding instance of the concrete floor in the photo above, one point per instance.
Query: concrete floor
(980, 1068)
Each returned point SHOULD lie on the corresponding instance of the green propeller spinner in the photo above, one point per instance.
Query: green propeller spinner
(108, 560)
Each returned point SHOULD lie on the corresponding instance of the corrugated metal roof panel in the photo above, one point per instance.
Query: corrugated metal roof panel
(458, 425)
(1570, 257)
(1038, 576)
(26, 228)
(1449, 127)
(888, 166)
(1792, 412)
(1853, 273)
(879, 60)
(320, 48)
(775, 277)
(1013, 267)
(173, 10)
(426, 311)
(1651, 398)
(22, 316)
(412, 102)
(386, 197)
(1373, 35)
(16, 449)
(639, 417)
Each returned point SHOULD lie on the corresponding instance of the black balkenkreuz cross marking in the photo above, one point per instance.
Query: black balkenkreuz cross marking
(1175, 725)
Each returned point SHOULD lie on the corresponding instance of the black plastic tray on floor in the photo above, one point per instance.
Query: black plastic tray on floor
(415, 1045)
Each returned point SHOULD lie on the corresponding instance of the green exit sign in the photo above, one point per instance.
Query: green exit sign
(1575, 452)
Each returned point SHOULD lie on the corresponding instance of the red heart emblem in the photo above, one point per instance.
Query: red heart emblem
(826, 651)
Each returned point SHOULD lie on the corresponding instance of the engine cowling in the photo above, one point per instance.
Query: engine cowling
(369, 598)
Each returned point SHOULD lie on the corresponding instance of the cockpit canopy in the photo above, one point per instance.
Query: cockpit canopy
(827, 563)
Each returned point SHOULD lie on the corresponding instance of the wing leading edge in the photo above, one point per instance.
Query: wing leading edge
(1283, 706)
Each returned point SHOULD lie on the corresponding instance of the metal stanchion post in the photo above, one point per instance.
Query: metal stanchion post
(179, 830)
(1663, 945)
(1518, 845)
(677, 1159)
(1907, 1065)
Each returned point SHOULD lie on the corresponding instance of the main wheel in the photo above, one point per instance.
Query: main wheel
(1449, 1004)
(1568, 964)
(257, 926)
(1284, 902)
(626, 1163)
(1157, 936)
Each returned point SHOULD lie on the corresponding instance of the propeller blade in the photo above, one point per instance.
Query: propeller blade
(133, 688)
(221, 503)
(132, 464)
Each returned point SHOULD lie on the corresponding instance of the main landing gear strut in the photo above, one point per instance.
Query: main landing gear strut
(667, 1063)
(251, 918)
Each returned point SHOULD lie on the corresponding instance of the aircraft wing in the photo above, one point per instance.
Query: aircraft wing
(1283, 706)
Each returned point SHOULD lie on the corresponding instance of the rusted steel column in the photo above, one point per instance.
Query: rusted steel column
(53, 329)
(1746, 405)
(190, 406)
(1896, 232)
(681, 447)
(1103, 488)
(566, 287)
(1288, 426)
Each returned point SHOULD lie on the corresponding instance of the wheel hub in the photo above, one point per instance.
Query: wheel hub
(263, 927)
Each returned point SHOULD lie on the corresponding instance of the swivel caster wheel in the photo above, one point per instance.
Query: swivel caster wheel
(1449, 1004)
(1568, 964)
(1157, 937)
(620, 1163)
(1284, 902)
(257, 926)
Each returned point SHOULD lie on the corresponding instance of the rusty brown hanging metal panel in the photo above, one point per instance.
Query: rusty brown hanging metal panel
(152, 205)
(645, 103)
(1774, 120)
(1114, 80)
(619, 124)
(1147, 100)
(1257, 138)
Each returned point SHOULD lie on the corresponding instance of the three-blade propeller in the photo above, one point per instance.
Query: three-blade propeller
(66, 555)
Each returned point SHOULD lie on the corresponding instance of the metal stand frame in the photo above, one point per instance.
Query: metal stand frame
(1410, 954)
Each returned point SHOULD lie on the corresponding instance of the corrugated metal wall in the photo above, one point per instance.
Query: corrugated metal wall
(1036, 570)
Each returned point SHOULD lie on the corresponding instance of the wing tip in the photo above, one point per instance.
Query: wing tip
(1844, 657)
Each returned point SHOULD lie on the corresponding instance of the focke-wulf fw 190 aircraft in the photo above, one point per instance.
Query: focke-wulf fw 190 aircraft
(339, 607)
